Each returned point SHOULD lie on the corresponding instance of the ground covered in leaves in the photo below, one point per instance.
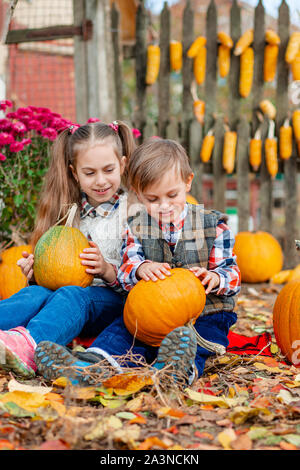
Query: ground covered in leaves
(241, 402)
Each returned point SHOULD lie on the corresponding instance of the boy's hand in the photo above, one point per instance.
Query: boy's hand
(97, 266)
(206, 277)
(153, 271)
(26, 264)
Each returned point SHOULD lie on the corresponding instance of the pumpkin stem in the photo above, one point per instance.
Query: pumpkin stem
(209, 345)
(71, 214)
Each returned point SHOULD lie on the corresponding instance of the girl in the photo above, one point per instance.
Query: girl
(86, 167)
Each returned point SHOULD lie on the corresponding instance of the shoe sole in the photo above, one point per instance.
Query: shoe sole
(178, 350)
(13, 363)
(55, 361)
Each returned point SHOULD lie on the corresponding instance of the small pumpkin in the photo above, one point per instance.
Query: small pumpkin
(286, 322)
(56, 256)
(259, 256)
(154, 308)
(11, 277)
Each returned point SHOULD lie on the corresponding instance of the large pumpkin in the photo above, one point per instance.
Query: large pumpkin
(286, 321)
(259, 256)
(154, 308)
(56, 257)
(11, 277)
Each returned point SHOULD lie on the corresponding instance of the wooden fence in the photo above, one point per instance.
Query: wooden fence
(190, 132)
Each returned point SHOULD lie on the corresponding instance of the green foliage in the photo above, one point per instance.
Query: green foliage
(21, 178)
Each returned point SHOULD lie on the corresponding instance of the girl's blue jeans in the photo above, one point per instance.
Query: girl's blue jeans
(116, 340)
(61, 315)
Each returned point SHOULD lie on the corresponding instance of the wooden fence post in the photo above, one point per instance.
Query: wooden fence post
(242, 174)
(140, 65)
(211, 65)
(117, 57)
(164, 73)
(80, 65)
(289, 166)
(234, 73)
(187, 76)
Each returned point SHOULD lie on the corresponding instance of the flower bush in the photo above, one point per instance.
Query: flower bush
(26, 136)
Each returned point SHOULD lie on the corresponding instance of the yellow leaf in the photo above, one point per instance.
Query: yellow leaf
(274, 348)
(107, 424)
(261, 366)
(61, 382)
(82, 393)
(221, 401)
(167, 411)
(241, 413)
(126, 384)
(226, 437)
(26, 400)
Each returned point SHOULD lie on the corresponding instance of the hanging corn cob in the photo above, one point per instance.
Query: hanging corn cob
(176, 55)
(285, 140)
(225, 39)
(272, 37)
(271, 151)
(223, 60)
(229, 150)
(245, 40)
(198, 105)
(207, 146)
(296, 123)
(199, 42)
(292, 47)
(255, 149)
(200, 65)
(296, 67)
(246, 71)
(268, 108)
(153, 63)
(270, 62)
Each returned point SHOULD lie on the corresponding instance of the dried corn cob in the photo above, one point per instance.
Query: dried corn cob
(246, 71)
(285, 140)
(270, 62)
(245, 40)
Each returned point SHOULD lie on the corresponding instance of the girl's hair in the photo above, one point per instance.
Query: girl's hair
(152, 159)
(60, 188)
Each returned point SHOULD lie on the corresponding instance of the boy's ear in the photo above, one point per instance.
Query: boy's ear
(189, 182)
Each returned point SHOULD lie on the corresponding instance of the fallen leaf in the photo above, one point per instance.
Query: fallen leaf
(125, 415)
(284, 396)
(151, 442)
(167, 411)
(127, 434)
(106, 425)
(13, 385)
(127, 384)
(226, 437)
(242, 442)
(54, 445)
(220, 401)
(241, 413)
(287, 446)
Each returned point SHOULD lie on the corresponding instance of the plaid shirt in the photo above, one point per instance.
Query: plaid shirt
(221, 259)
(103, 210)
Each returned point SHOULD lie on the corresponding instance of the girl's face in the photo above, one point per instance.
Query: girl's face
(165, 199)
(98, 172)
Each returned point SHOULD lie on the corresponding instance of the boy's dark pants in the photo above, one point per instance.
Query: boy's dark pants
(117, 341)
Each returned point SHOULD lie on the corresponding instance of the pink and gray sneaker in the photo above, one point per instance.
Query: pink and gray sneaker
(17, 352)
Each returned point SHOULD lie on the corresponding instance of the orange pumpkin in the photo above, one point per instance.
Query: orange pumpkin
(286, 321)
(56, 257)
(259, 256)
(153, 309)
(11, 277)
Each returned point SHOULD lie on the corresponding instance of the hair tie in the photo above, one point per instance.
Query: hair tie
(115, 126)
(72, 129)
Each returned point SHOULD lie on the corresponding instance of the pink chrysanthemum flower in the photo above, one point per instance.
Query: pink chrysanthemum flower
(5, 104)
(136, 133)
(16, 146)
(33, 124)
(18, 127)
(49, 133)
(2, 157)
(6, 139)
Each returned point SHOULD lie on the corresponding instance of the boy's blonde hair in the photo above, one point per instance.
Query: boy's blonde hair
(152, 159)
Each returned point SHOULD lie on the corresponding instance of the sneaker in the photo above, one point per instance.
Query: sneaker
(54, 360)
(178, 350)
(17, 352)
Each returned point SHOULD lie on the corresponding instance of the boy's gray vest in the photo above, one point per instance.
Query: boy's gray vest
(192, 249)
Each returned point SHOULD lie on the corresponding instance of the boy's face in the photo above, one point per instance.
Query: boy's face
(165, 199)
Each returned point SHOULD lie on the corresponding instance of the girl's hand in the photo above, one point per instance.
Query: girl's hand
(153, 271)
(26, 264)
(97, 266)
(207, 277)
